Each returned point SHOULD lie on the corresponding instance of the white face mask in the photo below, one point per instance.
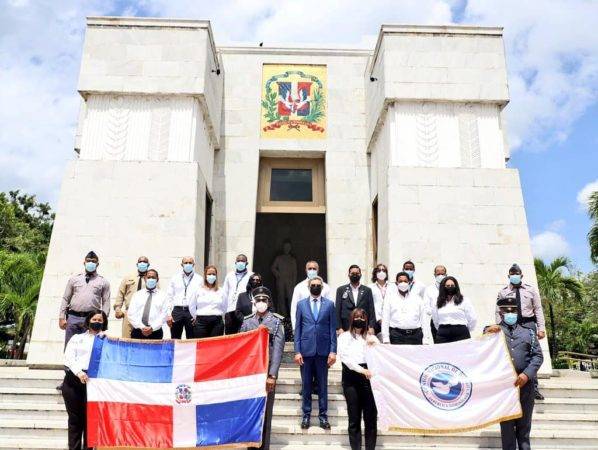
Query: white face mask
(261, 307)
(403, 287)
(439, 279)
(381, 275)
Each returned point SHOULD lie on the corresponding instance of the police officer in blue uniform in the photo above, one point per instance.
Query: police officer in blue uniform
(264, 317)
(527, 358)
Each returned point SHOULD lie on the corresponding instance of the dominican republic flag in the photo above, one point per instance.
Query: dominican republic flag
(174, 393)
(293, 97)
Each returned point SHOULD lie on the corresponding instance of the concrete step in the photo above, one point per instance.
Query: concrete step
(16, 410)
(30, 395)
(488, 437)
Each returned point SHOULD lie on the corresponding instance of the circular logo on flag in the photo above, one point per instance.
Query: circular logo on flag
(445, 386)
(182, 393)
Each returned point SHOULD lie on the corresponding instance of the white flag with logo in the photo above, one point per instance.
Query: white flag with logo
(452, 387)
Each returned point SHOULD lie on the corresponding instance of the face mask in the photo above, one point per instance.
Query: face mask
(451, 289)
(142, 267)
(90, 266)
(381, 275)
(359, 324)
(410, 273)
(151, 283)
(515, 279)
(316, 289)
(403, 286)
(188, 268)
(355, 278)
(254, 283)
(240, 266)
(96, 326)
(510, 318)
(312, 273)
(211, 278)
(439, 279)
(261, 307)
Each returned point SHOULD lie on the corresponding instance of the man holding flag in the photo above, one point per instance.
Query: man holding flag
(527, 358)
(272, 321)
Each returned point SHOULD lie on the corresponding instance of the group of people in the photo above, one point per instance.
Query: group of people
(403, 312)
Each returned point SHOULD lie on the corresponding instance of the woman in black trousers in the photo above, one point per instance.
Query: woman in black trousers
(453, 314)
(74, 390)
(356, 381)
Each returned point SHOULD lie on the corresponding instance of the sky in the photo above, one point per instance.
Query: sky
(552, 59)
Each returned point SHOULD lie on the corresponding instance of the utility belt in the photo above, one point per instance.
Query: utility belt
(408, 332)
(71, 312)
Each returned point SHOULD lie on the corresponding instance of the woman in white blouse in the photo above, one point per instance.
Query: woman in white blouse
(379, 287)
(209, 306)
(356, 381)
(74, 392)
(453, 314)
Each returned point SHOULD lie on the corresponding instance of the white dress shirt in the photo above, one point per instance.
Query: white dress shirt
(159, 310)
(233, 285)
(405, 312)
(78, 352)
(430, 297)
(182, 289)
(300, 292)
(208, 302)
(379, 294)
(417, 288)
(451, 314)
(351, 350)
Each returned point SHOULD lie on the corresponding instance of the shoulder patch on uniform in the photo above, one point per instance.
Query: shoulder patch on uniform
(249, 316)
(278, 316)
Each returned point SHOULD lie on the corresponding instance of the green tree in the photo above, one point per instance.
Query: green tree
(20, 281)
(557, 288)
(593, 233)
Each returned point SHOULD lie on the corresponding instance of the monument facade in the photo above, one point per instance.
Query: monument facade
(343, 156)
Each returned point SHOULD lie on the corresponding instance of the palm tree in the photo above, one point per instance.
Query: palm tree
(556, 287)
(20, 282)
(593, 234)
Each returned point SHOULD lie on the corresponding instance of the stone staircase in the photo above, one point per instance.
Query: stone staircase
(32, 416)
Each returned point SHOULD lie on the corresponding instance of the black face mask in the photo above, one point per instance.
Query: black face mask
(254, 284)
(359, 324)
(354, 278)
(315, 289)
(96, 326)
(451, 290)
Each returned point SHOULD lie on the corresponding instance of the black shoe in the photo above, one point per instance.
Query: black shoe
(324, 424)
(538, 395)
(305, 423)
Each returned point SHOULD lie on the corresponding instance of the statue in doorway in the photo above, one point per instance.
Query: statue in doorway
(284, 269)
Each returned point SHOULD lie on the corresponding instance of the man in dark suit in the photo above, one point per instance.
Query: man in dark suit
(315, 348)
(351, 296)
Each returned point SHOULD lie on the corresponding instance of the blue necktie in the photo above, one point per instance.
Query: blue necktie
(314, 309)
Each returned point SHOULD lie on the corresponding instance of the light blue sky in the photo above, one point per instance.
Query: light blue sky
(552, 56)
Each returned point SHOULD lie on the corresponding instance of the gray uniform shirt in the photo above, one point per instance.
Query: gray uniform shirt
(82, 296)
(531, 305)
(276, 330)
(524, 348)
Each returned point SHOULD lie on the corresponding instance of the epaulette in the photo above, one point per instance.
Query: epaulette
(249, 316)
(278, 316)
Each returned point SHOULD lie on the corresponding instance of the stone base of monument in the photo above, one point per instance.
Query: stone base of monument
(32, 416)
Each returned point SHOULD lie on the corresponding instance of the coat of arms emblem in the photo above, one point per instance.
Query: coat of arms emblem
(294, 101)
(182, 393)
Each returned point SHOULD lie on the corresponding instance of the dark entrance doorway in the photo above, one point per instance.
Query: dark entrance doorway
(306, 234)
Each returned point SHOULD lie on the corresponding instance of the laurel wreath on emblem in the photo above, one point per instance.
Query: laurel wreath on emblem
(182, 393)
(269, 103)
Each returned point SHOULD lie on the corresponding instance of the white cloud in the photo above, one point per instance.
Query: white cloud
(549, 245)
(552, 54)
(583, 196)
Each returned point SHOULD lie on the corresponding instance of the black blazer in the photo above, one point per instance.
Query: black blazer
(244, 304)
(345, 304)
